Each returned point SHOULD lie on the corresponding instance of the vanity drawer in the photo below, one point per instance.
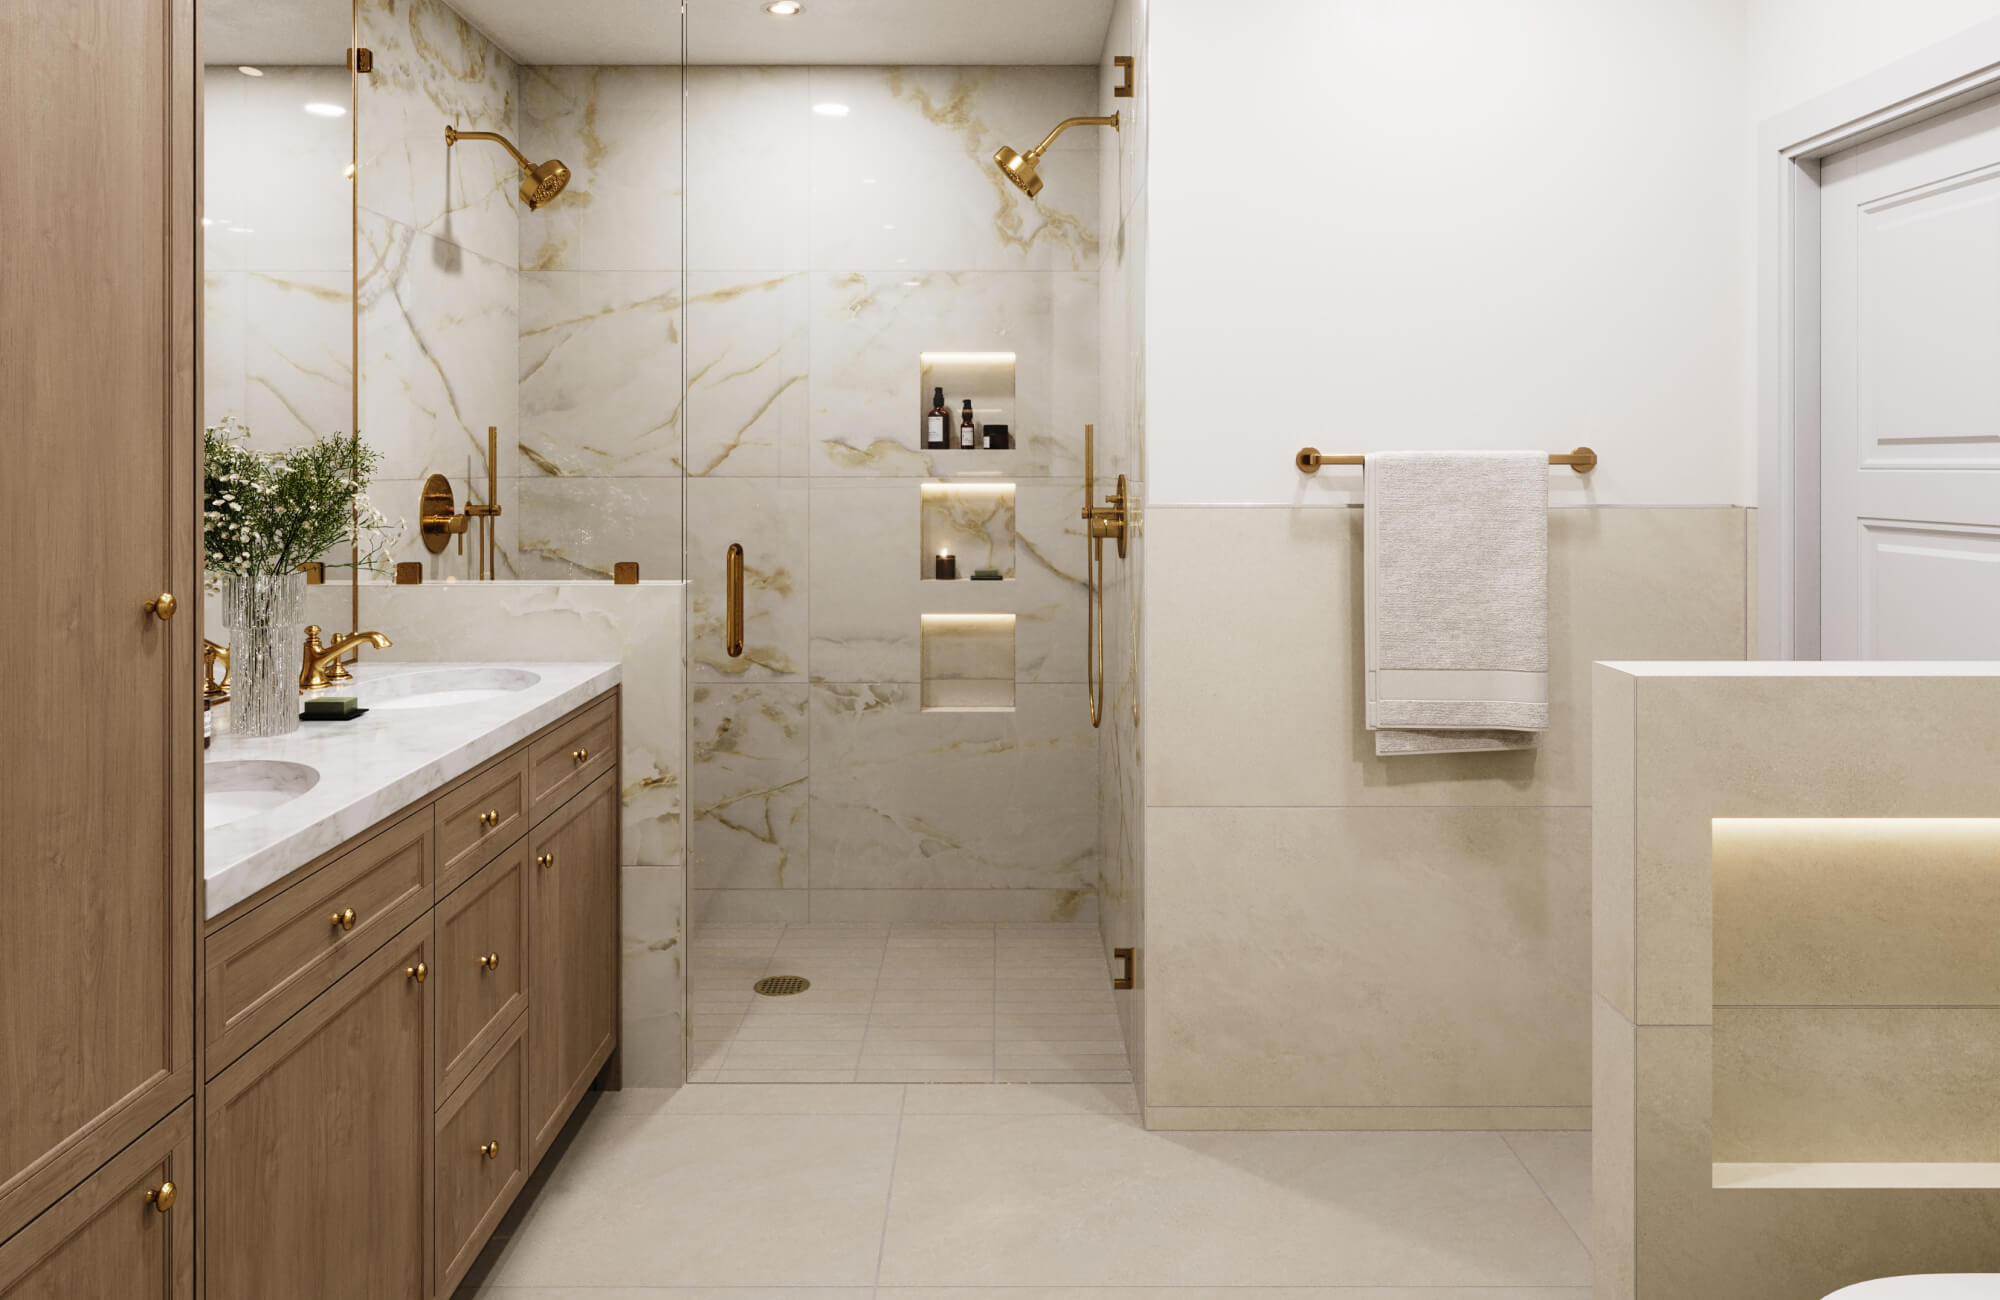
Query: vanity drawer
(478, 816)
(572, 755)
(482, 963)
(482, 1155)
(284, 953)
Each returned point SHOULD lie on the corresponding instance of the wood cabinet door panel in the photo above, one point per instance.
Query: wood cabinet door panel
(317, 1145)
(107, 1238)
(97, 773)
(482, 1155)
(573, 936)
(482, 977)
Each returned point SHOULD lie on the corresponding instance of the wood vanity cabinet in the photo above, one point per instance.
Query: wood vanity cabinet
(378, 1095)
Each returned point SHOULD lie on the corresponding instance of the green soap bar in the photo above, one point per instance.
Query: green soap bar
(332, 706)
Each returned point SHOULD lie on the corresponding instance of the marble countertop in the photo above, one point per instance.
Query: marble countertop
(372, 767)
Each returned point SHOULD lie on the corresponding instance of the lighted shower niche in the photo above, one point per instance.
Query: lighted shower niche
(971, 522)
(986, 379)
(1856, 1002)
(968, 663)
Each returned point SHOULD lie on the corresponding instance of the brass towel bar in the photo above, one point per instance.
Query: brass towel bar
(1582, 460)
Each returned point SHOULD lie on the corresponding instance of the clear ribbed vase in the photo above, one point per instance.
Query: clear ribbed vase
(266, 613)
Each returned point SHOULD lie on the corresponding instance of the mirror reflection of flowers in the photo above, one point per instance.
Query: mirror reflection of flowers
(268, 512)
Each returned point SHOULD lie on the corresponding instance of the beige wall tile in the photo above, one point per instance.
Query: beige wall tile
(1368, 957)
(1857, 912)
(1782, 747)
(1613, 1171)
(1283, 587)
(1853, 1083)
(1611, 831)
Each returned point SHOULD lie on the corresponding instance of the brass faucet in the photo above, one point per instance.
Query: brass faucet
(312, 672)
(214, 689)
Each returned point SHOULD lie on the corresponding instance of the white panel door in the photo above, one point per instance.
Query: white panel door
(1910, 401)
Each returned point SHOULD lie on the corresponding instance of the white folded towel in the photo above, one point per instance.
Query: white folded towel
(1457, 600)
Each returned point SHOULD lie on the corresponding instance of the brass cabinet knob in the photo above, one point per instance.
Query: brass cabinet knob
(491, 961)
(491, 1150)
(580, 755)
(418, 972)
(545, 860)
(162, 1198)
(344, 918)
(490, 818)
(163, 606)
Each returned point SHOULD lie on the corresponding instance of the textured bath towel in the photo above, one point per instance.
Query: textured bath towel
(1456, 556)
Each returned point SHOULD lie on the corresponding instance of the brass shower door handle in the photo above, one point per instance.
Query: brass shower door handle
(733, 631)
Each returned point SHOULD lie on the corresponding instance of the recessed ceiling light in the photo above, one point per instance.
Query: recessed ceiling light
(326, 110)
(830, 110)
(784, 8)
(249, 71)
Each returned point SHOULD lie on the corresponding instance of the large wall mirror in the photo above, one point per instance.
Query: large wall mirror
(278, 218)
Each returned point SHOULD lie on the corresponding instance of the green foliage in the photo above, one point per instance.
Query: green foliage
(272, 511)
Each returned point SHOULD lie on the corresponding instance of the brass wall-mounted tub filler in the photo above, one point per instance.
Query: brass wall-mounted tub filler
(545, 180)
(439, 519)
(1113, 521)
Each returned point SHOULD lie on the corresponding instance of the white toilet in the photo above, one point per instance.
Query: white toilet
(1925, 1286)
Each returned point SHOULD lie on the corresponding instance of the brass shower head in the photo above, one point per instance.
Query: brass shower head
(544, 182)
(1024, 169)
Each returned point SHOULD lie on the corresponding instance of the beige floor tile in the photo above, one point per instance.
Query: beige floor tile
(1232, 1293)
(666, 1293)
(959, 1077)
(1560, 1162)
(635, 1101)
(771, 1074)
(779, 1028)
(1053, 1074)
(686, 1200)
(1081, 1200)
(1024, 1099)
(787, 1099)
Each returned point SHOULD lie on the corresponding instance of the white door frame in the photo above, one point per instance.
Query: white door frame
(1789, 149)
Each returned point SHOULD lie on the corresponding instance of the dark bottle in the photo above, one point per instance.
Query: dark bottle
(937, 424)
(968, 437)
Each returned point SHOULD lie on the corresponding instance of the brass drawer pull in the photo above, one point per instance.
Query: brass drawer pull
(418, 972)
(491, 1150)
(580, 755)
(163, 1197)
(491, 961)
(545, 860)
(490, 818)
(344, 918)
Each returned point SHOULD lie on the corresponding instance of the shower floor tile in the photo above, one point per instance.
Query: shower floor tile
(905, 1004)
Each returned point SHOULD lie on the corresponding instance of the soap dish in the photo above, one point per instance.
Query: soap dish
(315, 717)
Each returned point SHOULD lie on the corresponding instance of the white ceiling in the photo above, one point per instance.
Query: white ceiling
(295, 32)
(1055, 32)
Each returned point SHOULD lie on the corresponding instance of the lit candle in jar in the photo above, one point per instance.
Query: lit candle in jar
(947, 565)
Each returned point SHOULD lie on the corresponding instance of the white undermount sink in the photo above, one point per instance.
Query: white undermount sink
(239, 788)
(440, 688)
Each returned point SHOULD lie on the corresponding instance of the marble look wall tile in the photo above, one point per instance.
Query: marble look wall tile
(298, 355)
(618, 129)
(274, 178)
(865, 600)
(747, 753)
(746, 906)
(652, 976)
(1806, 1084)
(745, 217)
(433, 68)
(972, 521)
(1623, 584)
(600, 374)
(1049, 594)
(1368, 957)
(223, 340)
(576, 529)
(440, 336)
(769, 517)
(905, 177)
(748, 373)
(870, 329)
(903, 799)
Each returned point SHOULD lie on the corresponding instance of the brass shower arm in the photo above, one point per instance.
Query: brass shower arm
(1065, 125)
(452, 135)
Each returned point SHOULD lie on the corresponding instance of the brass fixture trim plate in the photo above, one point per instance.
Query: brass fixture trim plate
(781, 986)
(438, 514)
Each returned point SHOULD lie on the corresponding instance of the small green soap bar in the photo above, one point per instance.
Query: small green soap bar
(332, 706)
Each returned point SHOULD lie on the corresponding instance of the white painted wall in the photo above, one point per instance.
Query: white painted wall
(1800, 49)
(1441, 223)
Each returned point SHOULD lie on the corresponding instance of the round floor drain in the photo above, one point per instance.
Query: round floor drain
(782, 986)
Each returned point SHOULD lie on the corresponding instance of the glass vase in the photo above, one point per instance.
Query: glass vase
(266, 613)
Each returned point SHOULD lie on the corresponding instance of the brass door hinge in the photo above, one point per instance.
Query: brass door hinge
(1124, 979)
(361, 59)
